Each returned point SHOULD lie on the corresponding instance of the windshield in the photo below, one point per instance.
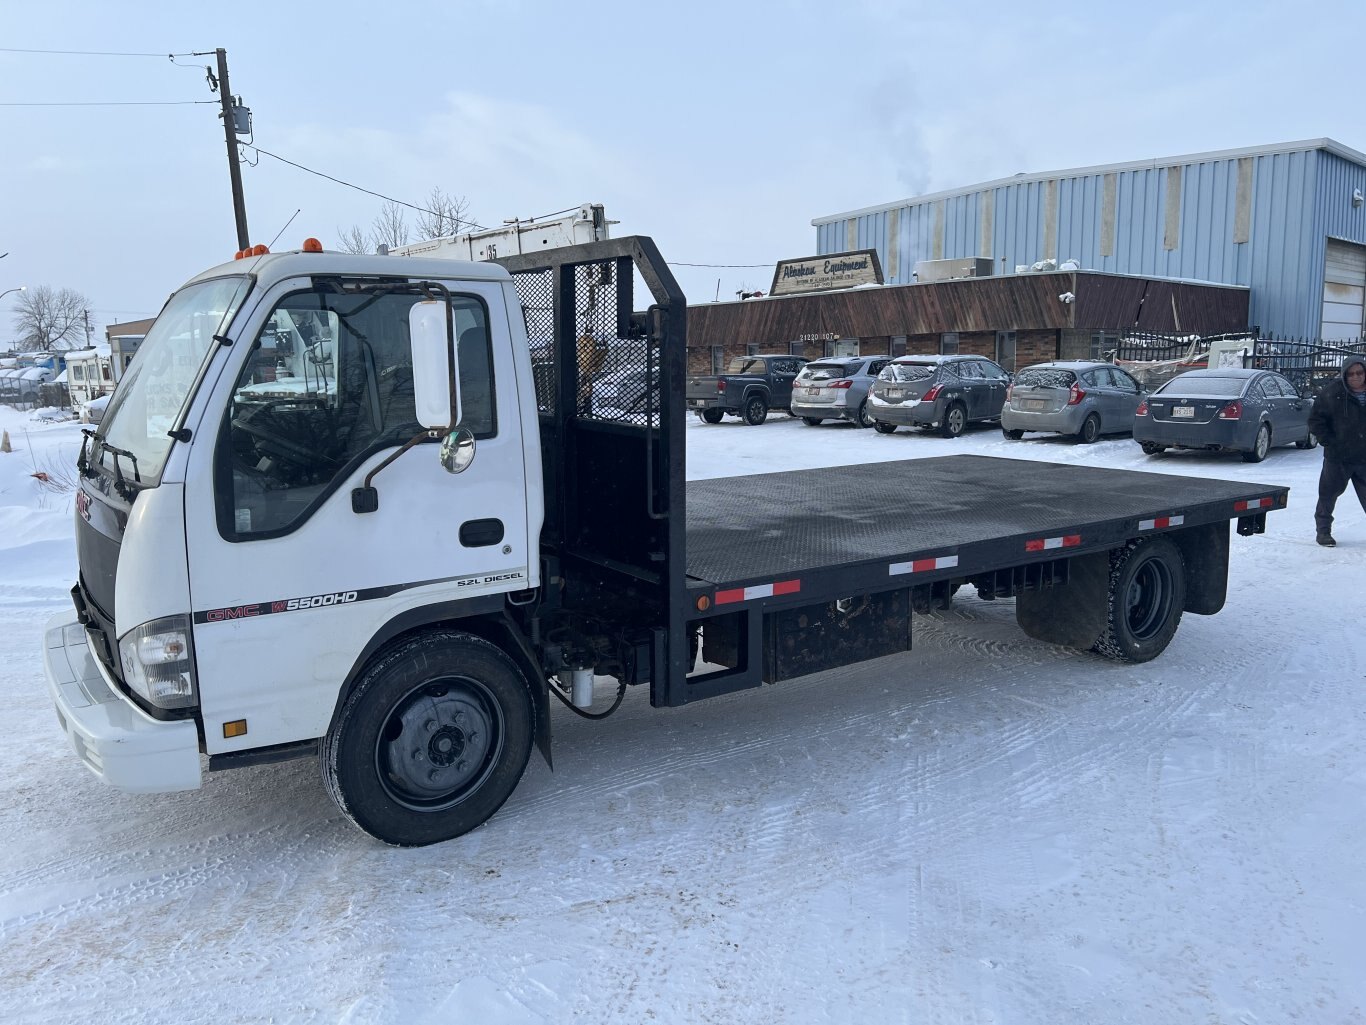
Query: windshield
(157, 384)
(908, 372)
(828, 371)
(1045, 377)
(1190, 386)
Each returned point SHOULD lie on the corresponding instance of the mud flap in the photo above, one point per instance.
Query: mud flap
(1073, 614)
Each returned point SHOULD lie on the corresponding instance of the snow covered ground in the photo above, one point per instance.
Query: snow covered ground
(985, 830)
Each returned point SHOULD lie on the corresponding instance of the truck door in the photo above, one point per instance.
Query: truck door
(288, 583)
(782, 372)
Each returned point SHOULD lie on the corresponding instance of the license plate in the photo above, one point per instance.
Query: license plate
(893, 393)
(813, 391)
(1035, 403)
(696, 403)
(1183, 412)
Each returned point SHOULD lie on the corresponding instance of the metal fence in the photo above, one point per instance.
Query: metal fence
(1307, 363)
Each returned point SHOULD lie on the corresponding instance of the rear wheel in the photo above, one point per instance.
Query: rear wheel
(865, 415)
(1260, 445)
(1152, 448)
(1147, 595)
(1090, 429)
(884, 428)
(710, 416)
(955, 420)
(1012, 435)
(756, 410)
(432, 741)
(812, 421)
(1310, 441)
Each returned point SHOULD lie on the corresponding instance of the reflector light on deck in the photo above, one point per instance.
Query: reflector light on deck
(1256, 503)
(1160, 522)
(1043, 544)
(923, 565)
(738, 594)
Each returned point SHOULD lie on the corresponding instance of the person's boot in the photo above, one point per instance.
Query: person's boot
(1326, 539)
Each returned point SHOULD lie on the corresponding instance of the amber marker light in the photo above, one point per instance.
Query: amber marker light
(236, 728)
(312, 245)
(260, 250)
(703, 603)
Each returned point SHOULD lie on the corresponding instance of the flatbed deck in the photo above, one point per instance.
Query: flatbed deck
(982, 512)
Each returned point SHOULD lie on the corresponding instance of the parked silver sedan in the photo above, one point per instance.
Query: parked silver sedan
(1227, 410)
(1083, 398)
(836, 388)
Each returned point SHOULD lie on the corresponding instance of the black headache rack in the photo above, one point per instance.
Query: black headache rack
(609, 394)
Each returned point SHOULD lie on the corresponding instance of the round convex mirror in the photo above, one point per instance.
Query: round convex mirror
(457, 450)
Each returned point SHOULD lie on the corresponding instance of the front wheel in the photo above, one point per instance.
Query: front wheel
(1012, 435)
(865, 415)
(955, 420)
(1152, 448)
(1260, 445)
(1310, 441)
(884, 428)
(1147, 595)
(811, 421)
(432, 740)
(756, 411)
(710, 416)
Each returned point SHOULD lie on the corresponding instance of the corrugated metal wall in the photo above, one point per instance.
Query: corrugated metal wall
(1255, 219)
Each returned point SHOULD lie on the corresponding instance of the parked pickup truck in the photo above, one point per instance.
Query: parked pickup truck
(750, 387)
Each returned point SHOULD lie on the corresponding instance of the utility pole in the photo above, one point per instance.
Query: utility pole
(87, 328)
(239, 206)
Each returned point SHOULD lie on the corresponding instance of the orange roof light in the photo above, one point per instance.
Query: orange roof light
(237, 255)
(312, 245)
(260, 250)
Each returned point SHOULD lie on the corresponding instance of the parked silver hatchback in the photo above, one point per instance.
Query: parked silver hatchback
(1083, 398)
(836, 388)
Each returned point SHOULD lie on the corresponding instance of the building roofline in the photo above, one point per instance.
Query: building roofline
(1330, 145)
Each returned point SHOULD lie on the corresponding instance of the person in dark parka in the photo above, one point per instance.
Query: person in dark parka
(1338, 420)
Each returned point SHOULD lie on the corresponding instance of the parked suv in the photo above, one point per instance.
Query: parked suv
(947, 392)
(1084, 398)
(836, 388)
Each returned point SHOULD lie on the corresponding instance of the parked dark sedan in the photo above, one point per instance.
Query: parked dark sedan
(946, 392)
(1226, 410)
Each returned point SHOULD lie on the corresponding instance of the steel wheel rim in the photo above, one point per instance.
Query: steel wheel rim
(1149, 599)
(439, 743)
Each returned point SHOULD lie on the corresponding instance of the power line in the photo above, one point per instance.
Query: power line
(112, 103)
(738, 266)
(349, 185)
(96, 53)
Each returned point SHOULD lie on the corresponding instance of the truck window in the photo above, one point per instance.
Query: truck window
(329, 383)
(745, 365)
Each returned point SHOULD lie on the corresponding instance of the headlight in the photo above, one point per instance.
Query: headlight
(158, 662)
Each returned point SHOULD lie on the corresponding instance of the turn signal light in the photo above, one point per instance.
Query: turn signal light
(1075, 395)
(1142, 409)
(932, 394)
(1233, 411)
(312, 245)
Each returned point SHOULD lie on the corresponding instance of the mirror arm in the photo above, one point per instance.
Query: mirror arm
(365, 499)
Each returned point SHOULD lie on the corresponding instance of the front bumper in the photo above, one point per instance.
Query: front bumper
(116, 740)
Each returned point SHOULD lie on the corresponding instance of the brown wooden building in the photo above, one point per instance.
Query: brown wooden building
(1016, 319)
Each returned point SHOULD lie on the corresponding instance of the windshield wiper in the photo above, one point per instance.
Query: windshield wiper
(126, 491)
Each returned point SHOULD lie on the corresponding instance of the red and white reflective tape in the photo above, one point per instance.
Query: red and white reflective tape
(1256, 503)
(1160, 522)
(758, 591)
(923, 565)
(1043, 544)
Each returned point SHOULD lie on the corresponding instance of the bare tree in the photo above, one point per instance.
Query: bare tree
(445, 215)
(354, 240)
(46, 319)
(390, 227)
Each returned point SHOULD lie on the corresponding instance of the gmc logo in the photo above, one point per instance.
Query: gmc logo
(83, 505)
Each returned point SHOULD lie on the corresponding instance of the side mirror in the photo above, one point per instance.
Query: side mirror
(436, 368)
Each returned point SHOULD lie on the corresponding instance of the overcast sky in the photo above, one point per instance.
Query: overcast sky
(720, 129)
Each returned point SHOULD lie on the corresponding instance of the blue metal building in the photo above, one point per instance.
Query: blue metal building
(1288, 221)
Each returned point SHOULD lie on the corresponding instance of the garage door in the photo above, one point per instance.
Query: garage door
(1344, 291)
